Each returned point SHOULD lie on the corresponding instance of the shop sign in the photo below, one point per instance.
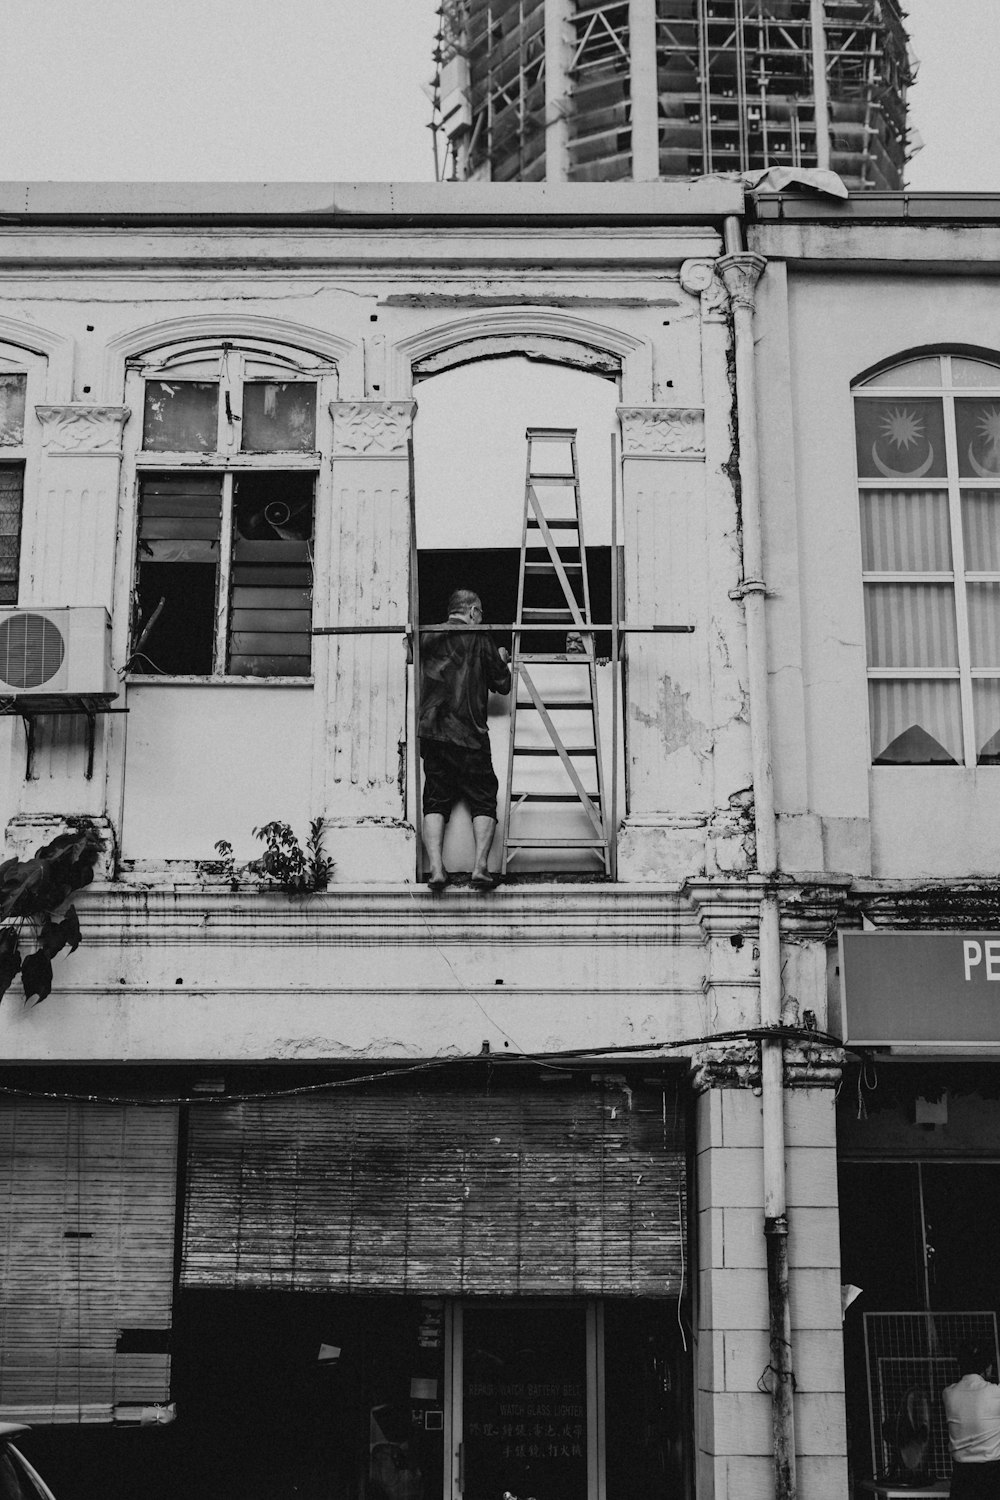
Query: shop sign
(920, 987)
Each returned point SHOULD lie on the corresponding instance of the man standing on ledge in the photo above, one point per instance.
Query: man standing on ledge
(458, 671)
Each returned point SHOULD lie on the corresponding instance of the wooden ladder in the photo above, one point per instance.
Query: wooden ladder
(559, 678)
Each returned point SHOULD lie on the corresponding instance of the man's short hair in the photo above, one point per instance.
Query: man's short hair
(974, 1358)
(462, 600)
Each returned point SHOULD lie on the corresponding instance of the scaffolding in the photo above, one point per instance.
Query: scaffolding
(736, 86)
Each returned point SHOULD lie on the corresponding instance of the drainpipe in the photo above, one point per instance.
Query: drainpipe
(740, 271)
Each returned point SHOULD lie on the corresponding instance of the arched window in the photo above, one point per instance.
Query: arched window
(227, 469)
(20, 387)
(928, 451)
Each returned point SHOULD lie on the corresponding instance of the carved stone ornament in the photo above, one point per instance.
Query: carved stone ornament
(726, 1065)
(699, 278)
(371, 429)
(82, 428)
(662, 431)
(741, 274)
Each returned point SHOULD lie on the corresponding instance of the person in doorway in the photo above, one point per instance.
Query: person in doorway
(972, 1407)
(459, 669)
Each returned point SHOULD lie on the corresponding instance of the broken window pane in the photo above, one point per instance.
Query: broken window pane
(12, 390)
(279, 417)
(180, 517)
(181, 416)
(271, 586)
(11, 489)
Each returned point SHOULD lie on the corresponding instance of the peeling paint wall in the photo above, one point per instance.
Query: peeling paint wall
(381, 318)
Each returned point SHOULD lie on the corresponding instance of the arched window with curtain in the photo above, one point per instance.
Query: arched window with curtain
(928, 451)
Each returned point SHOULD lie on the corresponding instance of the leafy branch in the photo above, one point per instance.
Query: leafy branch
(284, 862)
(34, 893)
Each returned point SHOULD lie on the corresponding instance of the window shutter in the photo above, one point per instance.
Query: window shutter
(87, 1197)
(568, 1188)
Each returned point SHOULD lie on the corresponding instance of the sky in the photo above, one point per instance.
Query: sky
(330, 91)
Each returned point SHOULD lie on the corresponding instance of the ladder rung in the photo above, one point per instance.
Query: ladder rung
(553, 479)
(553, 614)
(557, 843)
(534, 434)
(547, 567)
(517, 797)
(555, 525)
(563, 707)
(551, 750)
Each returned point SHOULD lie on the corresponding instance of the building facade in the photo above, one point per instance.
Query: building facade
(878, 404)
(532, 1190)
(578, 91)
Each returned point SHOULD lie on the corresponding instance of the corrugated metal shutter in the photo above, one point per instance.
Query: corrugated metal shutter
(87, 1195)
(564, 1188)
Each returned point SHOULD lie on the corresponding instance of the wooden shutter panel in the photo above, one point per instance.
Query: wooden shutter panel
(87, 1195)
(566, 1188)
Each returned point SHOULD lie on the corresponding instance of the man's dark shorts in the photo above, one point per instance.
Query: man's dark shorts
(976, 1481)
(452, 771)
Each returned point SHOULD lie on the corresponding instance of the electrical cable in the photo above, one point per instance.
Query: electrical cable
(747, 1033)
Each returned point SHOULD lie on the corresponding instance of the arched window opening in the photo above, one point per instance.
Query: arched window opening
(227, 468)
(20, 388)
(928, 455)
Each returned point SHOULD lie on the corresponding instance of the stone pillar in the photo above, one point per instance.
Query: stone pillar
(812, 1073)
(667, 720)
(361, 679)
(644, 93)
(733, 1414)
(558, 51)
(70, 526)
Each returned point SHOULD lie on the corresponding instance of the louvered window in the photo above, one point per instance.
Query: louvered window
(227, 475)
(87, 1198)
(570, 1188)
(13, 391)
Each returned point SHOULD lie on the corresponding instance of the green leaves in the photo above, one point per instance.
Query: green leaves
(34, 890)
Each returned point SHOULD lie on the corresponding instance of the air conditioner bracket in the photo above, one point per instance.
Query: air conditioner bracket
(29, 706)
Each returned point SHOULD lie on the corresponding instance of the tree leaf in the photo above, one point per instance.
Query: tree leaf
(10, 958)
(36, 975)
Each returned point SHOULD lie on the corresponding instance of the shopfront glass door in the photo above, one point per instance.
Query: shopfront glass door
(525, 1402)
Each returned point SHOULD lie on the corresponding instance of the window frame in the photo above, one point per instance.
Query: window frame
(233, 364)
(958, 577)
(15, 361)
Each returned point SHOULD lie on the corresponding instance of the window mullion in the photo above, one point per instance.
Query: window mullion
(958, 555)
(225, 571)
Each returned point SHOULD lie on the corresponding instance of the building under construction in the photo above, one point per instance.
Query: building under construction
(588, 90)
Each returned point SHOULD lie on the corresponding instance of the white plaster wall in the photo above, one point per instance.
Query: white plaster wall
(371, 302)
(923, 822)
(209, 763)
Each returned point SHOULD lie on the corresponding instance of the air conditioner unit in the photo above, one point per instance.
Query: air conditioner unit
(56, 653)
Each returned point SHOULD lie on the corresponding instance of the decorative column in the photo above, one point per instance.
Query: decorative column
(70, 533)
(667, 721)
(70, 527)
(361, 678)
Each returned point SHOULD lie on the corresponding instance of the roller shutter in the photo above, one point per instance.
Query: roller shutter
(87, 1197)
(567, 1188)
